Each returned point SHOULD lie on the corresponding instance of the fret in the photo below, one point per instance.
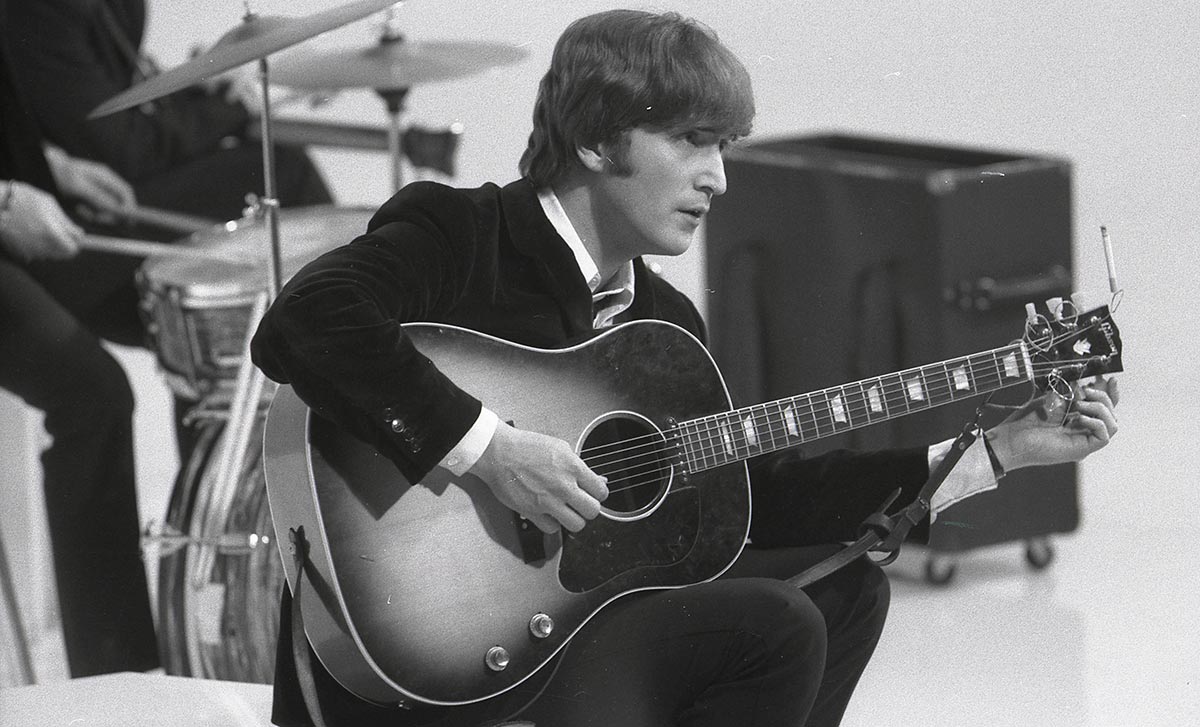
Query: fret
(810, 427)
(772, 430)
(718, 439)
(688, 445)
(775, 425)
(893, 395)
(709, 442)
(998, 366)
(821, 417)
(941, 389)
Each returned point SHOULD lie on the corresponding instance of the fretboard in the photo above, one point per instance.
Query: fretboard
(720, 439)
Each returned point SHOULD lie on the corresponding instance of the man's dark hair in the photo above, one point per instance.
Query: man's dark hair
(622, 69)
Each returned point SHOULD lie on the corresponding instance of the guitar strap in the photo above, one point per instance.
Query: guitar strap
(885, 533)
(300, 652)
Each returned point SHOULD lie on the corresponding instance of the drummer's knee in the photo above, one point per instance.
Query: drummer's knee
(94, 390)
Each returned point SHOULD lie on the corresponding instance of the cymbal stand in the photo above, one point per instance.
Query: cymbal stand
(250, 380)
(394, 100)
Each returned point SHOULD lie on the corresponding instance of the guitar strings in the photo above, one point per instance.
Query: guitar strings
(892, 396)
(701, 430)
(1038, 368)
(714, 445)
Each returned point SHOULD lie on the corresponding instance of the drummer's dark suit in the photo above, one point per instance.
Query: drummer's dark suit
(65, 57)
(184, 152)
(490, 260)
(53, 359)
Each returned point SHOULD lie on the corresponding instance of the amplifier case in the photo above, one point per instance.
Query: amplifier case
(833, 258)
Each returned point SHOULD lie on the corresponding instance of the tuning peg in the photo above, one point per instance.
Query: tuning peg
(1030, 314)
(1079, 300)
(1055, 306)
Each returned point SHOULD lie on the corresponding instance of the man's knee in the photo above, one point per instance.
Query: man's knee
(791, 626)
(865, 588)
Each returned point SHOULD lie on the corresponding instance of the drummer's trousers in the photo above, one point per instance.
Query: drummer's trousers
(56, 364)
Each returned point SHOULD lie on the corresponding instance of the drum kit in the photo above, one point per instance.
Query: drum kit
(220, 574)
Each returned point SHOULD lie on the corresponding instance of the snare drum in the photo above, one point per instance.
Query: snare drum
(197, 312)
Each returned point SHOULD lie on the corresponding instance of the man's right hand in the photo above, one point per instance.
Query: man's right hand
(541, 478)
(35, 227)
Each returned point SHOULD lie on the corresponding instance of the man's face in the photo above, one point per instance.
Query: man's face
(657, 190)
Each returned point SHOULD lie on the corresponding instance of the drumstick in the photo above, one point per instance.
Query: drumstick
(167, 220)
(179, 222)
(144, 248)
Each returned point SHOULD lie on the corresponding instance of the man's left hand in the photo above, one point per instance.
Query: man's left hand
(1051, 430)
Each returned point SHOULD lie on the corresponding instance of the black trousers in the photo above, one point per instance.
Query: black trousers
(56, 364)
(53, 316)
(747, 649)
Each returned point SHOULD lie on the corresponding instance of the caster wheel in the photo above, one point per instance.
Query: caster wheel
(939, 570)
(1038, 553)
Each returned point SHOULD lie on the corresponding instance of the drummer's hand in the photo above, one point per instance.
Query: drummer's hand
(102, 192)
(34, 227)
(541, 478)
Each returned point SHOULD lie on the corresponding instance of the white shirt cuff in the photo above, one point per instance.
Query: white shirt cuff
(470, 448)
(971, 476)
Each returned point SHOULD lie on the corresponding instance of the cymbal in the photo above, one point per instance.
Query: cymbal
(255, 38)
(392, 64)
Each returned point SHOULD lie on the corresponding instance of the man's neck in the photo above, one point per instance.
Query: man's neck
(579, 205)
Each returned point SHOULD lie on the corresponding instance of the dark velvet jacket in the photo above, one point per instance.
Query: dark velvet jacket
(488, 259)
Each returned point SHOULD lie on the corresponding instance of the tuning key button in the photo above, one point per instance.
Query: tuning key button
(541, 625)
(496, 658)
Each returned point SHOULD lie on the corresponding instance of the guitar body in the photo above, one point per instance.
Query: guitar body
(410, 585)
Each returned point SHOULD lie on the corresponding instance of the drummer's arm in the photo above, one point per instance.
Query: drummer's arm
(334, 334)
(64, 77)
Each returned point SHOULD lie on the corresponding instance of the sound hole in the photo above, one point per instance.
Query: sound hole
(630, 451)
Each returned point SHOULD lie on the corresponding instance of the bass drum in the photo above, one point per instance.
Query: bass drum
(220, 575)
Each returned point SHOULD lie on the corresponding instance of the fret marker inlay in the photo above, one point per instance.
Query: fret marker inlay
(839, 410)
(961, 382)
(789, 420)
(874, 398)
(751, 432)
(916, 392)
(1011, 369)
(727, 438)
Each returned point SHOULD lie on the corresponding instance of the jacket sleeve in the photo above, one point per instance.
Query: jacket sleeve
(335, 334)
(799, 500)
(70, 65)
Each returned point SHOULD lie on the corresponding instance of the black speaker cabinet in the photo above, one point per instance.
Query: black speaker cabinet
(833, 258)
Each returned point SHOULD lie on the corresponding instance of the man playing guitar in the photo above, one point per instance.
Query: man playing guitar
(624, 159)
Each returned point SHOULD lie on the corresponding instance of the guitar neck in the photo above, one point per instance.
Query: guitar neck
(733, 436)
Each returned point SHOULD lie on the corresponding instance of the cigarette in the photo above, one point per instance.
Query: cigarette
(1108, 259)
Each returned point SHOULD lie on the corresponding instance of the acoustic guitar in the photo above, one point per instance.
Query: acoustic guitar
(434, 591)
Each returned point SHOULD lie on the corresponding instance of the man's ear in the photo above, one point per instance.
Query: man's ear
(592, 158)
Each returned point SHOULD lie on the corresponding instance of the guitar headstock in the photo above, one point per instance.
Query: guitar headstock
(1070, 345)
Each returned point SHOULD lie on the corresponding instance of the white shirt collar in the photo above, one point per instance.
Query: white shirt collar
(618, 295)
